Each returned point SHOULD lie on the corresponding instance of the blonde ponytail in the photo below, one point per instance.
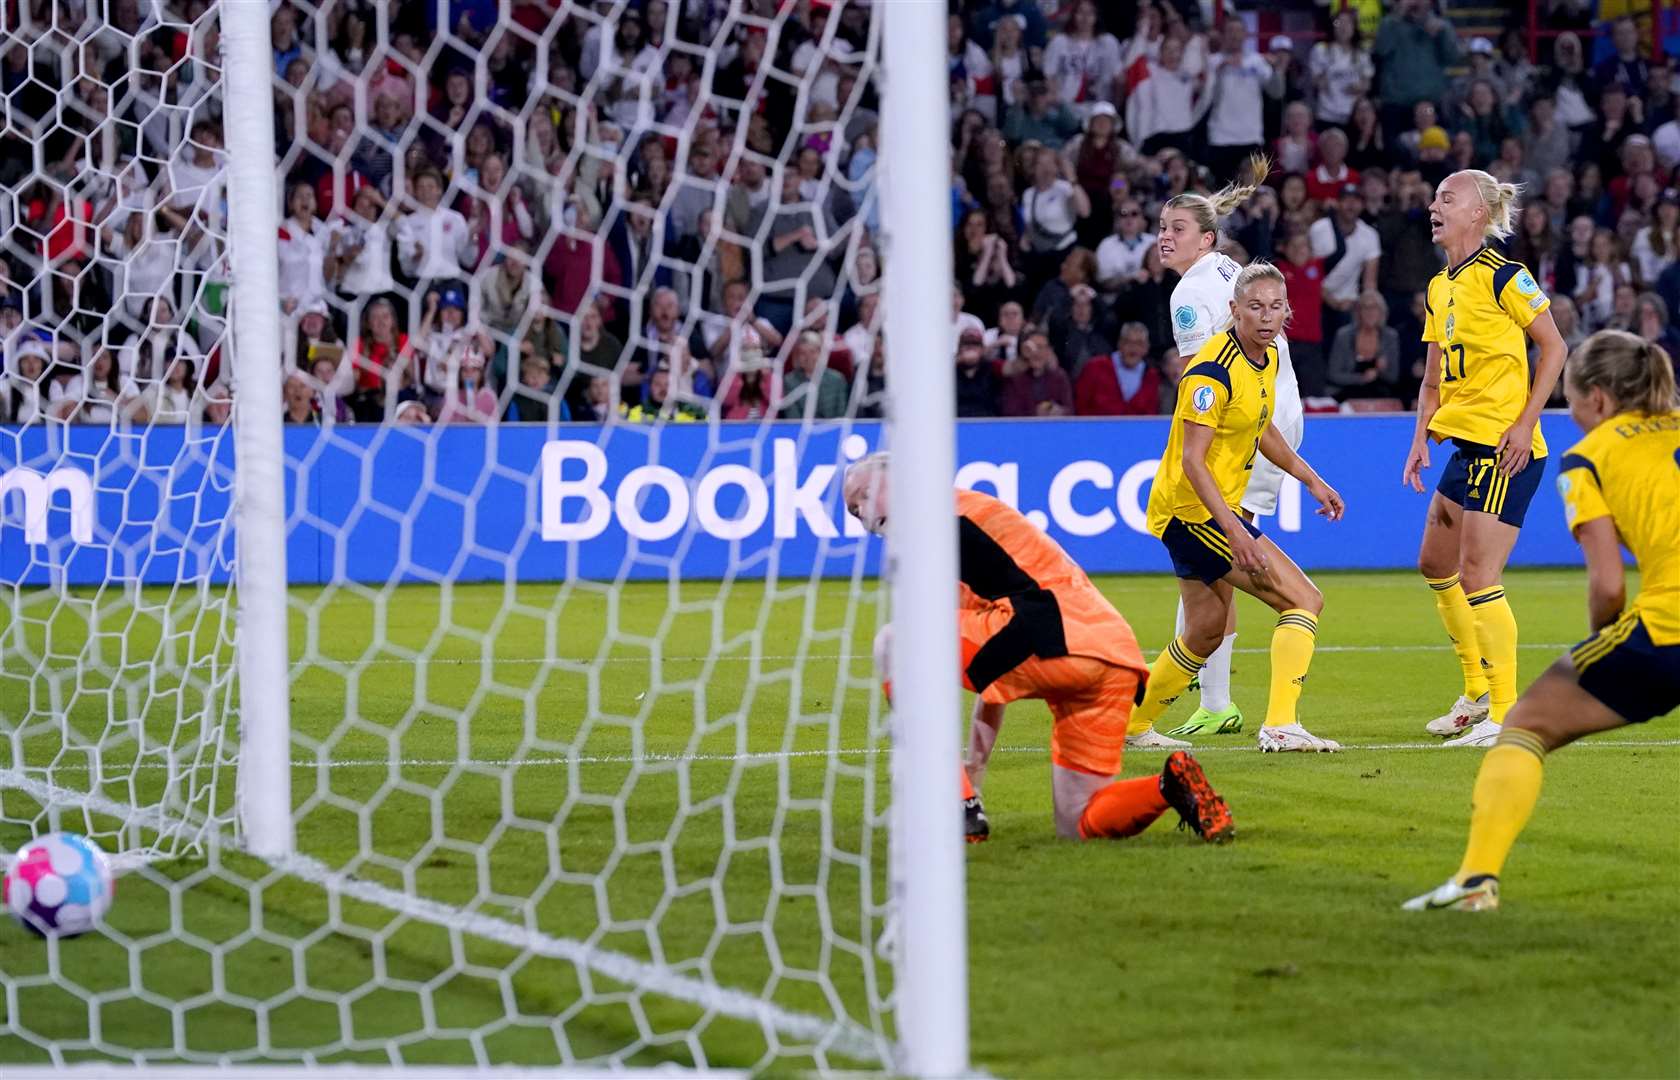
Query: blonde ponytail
(1637, 373)
(1500, 200)
(1210, 210)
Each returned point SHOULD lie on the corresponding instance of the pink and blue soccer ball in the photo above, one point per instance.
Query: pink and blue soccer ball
(59, 885)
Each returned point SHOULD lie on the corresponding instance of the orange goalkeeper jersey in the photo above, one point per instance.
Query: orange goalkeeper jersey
(1038, 602)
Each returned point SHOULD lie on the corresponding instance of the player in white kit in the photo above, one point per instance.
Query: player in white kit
(1201, 307)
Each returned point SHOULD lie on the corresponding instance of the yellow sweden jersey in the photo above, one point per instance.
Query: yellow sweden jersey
(1628, 468)
(1221, 390)
(1477, 312)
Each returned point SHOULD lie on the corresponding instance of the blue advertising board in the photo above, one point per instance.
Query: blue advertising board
(532, 503)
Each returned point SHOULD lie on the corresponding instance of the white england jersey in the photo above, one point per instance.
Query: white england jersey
(1201, 308)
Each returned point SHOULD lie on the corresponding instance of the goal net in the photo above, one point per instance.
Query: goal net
(584, 759)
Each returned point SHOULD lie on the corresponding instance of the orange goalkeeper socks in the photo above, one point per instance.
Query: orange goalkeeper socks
(1123, 808)
(967, 788)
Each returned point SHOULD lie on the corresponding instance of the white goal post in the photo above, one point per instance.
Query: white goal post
(396, 782)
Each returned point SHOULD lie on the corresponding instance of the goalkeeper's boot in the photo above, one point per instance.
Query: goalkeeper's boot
(1480, 893)
(1484, 734)
(1186, 789)
(1150, 739)
(1285, 738)
(1227, 721)
(976, 829)
(1466, 713)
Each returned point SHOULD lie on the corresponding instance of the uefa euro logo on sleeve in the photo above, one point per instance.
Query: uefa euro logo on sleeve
(1184, 317)
(1202, 399)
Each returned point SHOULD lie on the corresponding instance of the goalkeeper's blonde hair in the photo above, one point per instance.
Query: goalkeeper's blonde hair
(1210, 210)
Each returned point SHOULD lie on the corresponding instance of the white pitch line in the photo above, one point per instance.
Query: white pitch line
(780, 755)
(840, 1036)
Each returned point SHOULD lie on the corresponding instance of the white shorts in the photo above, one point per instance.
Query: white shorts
(1261, 497)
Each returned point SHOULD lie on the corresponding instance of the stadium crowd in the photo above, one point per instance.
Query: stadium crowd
(666, 209)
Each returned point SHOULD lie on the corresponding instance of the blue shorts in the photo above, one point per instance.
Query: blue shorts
(1200, 550)
(1620, 666)
(1472, 480)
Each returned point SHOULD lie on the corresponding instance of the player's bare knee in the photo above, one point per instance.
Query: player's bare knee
(1308, 597)
(1433, 565)
(1477, 574)
(1203, 639)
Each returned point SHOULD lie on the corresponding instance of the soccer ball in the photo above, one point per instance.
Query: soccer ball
(59, 885)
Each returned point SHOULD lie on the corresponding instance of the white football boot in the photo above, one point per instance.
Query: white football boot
(1293, 737)
(1154, 740)
(1452, 896)
(1465, 713)
(1485, 733)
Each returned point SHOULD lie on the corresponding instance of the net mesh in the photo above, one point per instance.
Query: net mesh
(581, 774)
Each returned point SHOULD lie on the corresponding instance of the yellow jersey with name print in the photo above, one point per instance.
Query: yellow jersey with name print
(1628, 469)
(1222, 389)
(1477, 312)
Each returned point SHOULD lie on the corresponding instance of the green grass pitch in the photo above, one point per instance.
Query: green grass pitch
(734, 844)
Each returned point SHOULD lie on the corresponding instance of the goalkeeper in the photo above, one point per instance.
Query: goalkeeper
(1033, 626)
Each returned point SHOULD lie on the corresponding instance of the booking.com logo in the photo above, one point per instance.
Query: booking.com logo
(1084, 497)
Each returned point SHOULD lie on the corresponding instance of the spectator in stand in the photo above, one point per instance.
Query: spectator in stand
(501, 218)
(1091, 160)
(1652, 322)
(1120, 383)
(1085, 330)
(792, 255)
(977, 379)
(812, 390)
(315, 339)
(1003, 341)
(101, 394)
(533, 398)
(658, 404)
(1051, 210)
(1414, 47)
(433, 241)
(442, 330)
(1547, 144)
(1241, 81)
(1041, 388)
(1626, 67)
(982, 266)
(1165, 105)
(169, 400)
(869, 384)
(1568, 321)
(1367, 145)
(297, 401)
(1365, 356)
(381, 361)
(721, 333)
(1341, 70)
(1657, 245)
(1408, 253)
(470, 400)
(859, 338)
(508, 293)
(752, 387)
(1011, 64)
(1325, 182)
(303, 251)
(1486, 119)
(1121, 254)
(1603, 271)
(1303, 279)
(961, 320)
(24, 388)
(1041, 119)
(1083, 62)
(1615, 123)
(1295, 149)
(1055, 299)
(360, 248)
(1027, 16)
(1351, 251)
(970, 69)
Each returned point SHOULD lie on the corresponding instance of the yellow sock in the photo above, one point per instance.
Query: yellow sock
(1496, 632)
(1460, 622)
(1292, 650)
(1168, 677)
(1507, 787)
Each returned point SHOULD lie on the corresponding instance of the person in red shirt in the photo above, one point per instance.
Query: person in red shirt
(1324, 183)
(1303, 279)
(1120, 383)
(1042, 389)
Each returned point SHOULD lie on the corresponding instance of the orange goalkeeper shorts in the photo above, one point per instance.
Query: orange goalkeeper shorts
(1090, 700)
